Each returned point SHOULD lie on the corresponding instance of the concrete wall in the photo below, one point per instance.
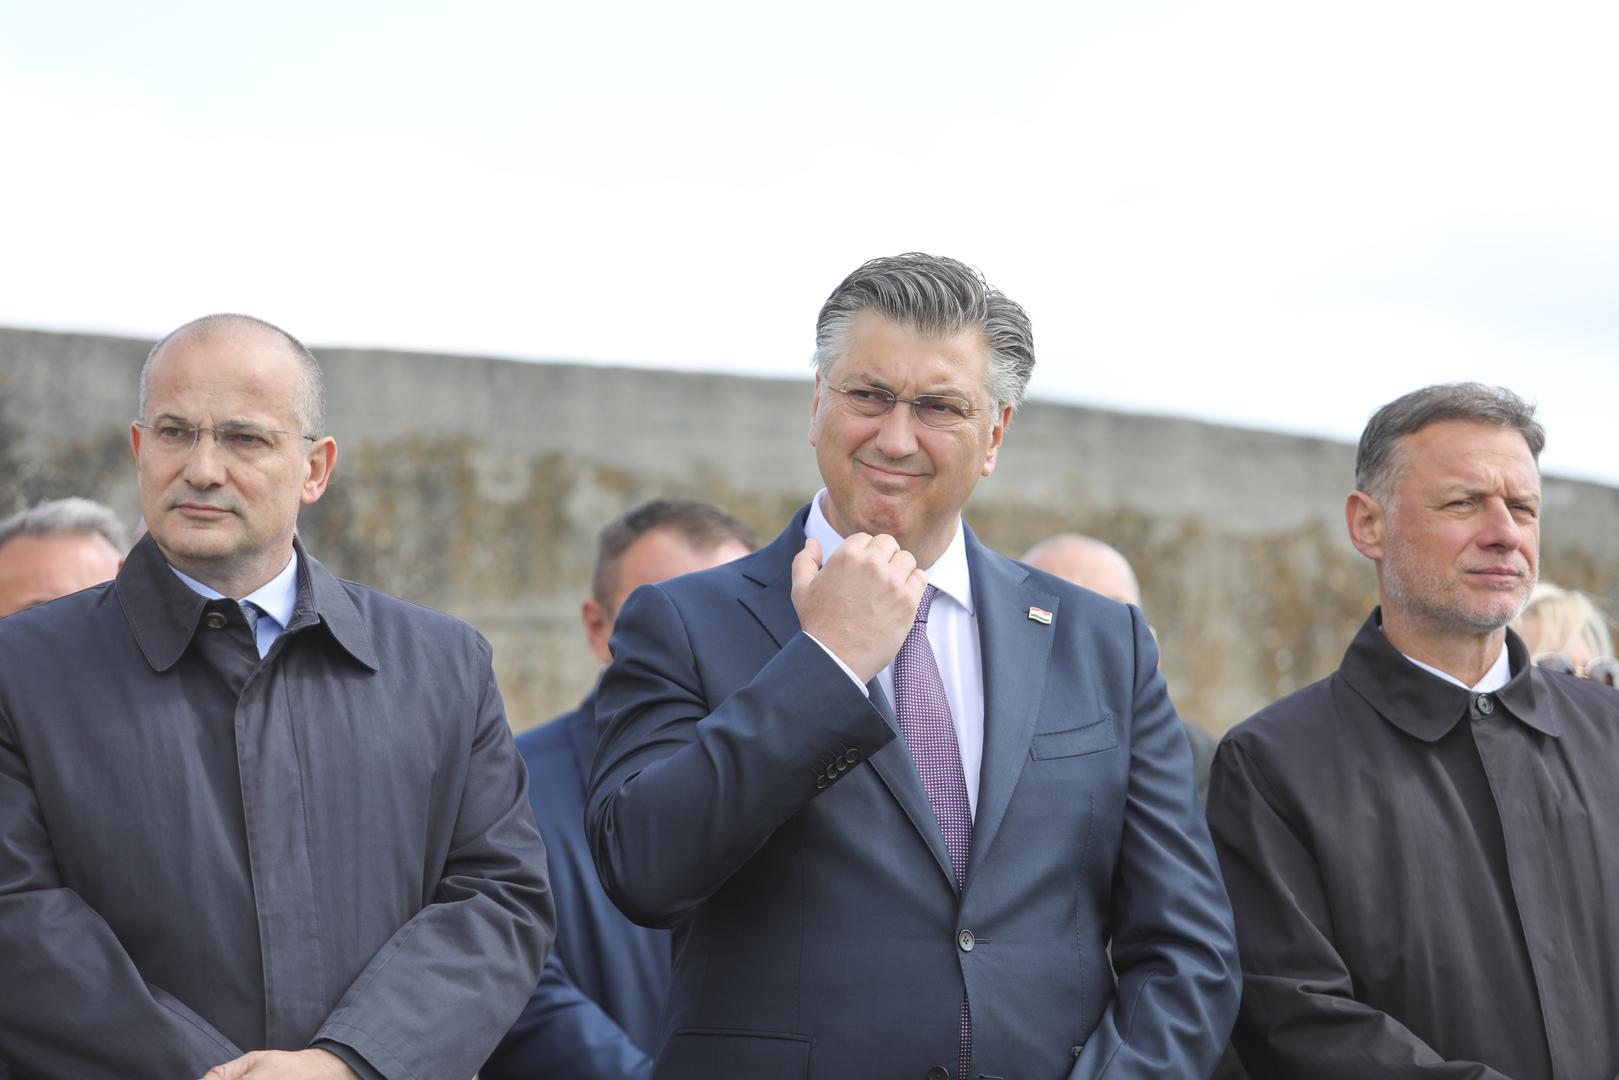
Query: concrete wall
(476, 486)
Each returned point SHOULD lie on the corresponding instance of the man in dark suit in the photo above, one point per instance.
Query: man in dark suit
(1100, 567)
(897, 794)
(598, 1010)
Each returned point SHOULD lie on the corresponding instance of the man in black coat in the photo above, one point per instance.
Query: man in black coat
(1422, 850)
(254, 821)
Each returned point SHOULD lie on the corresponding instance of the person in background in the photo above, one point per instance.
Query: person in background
(1092, 564)
(56, 548)
(255, 821)
(895, 793)
(1564, 631)
(598, 1009)
(1421, 848)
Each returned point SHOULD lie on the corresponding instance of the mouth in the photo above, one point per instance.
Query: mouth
(886, 475)
(201, 511)
(1497, 575)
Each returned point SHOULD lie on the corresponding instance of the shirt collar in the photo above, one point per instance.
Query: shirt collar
(948, 573)
(1499, 675)
(277, 597)
(163, 612)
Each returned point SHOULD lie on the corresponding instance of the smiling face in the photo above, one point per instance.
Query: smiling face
(890, 474)
(1460, 544)
(225, 518)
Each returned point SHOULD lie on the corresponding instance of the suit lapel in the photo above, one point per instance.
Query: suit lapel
(772, 605)
(1015, 650)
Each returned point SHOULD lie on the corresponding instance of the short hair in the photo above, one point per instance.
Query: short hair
(1562, 615)
(308, 401)
(703, 525)
(1378, 460)
(72, 516)
(936, 297)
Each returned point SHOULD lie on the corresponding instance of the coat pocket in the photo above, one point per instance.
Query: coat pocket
(1093, 737)
(706, 1053)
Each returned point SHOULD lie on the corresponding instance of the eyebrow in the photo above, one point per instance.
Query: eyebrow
(1474, 491)
(882, 384)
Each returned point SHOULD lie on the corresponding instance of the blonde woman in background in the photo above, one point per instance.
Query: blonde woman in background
(1564, 631)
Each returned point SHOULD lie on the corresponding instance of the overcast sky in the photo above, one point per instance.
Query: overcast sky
(1275, 214)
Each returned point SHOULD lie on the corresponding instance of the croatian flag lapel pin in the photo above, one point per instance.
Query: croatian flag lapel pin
(1040, 615)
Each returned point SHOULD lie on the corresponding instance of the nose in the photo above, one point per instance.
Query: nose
(204, 462)
(896, 437)
(1502, 530)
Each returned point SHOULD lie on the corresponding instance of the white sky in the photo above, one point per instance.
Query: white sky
(1276, 214)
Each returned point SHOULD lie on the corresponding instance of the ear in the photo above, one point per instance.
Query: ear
(320, 463)
(135, 441)
(815, 409)
(1367, 524)
(598, 628)
(1003, 420)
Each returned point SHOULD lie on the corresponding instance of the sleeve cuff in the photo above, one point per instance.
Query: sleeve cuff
(846, 669)
(351, 1057)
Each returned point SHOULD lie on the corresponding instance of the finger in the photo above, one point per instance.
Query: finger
(230, 1070)
(916, 585)
(903, 562)
(805, 565)
(884, 546)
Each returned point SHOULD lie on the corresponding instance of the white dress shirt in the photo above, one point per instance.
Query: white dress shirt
(276, 598)
(952, 634)
(1499, 675)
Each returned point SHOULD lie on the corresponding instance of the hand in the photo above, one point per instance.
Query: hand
(861, 604)
(314, 1064)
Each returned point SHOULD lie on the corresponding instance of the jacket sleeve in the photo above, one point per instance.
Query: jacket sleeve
(564, 1033)
(437, 997)
(71, 1000)
(1174, 948)
(682, 792)
(1299, 1016)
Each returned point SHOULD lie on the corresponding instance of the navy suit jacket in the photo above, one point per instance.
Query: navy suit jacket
(748, 794)
(598, 1010)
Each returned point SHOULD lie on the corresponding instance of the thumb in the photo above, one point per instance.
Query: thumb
(805, 565)
(230, 1070)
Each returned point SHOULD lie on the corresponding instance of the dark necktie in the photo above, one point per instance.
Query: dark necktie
(251, 612)
(930, 733)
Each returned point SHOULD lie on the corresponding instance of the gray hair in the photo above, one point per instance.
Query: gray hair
(936, 297)
(309, 399)
(1378, 462)
(71, 516)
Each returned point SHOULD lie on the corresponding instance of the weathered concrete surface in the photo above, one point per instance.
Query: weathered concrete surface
(476, 486)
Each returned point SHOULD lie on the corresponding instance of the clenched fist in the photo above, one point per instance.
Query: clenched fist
(861, 604)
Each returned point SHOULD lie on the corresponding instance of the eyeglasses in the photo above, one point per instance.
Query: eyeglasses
(245, 441)
(932, 410)
(1604, 669)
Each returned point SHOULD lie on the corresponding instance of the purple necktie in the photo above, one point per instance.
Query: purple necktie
(930, 733)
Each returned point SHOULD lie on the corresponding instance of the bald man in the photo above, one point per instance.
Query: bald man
(1094, 565)
(57, 548)
(255, 821)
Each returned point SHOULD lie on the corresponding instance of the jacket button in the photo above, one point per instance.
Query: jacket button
(853, 754)
(938, 1072)
(1486, 704)
(215, 620)
(966, 940)
(821, 782)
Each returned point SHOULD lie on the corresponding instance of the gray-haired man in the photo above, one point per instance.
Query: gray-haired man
(1423, 848)
(56, 548)
(896, 793)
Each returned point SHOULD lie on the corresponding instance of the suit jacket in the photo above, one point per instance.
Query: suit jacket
(749, 795)
(598, 1010)
(203, 852)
